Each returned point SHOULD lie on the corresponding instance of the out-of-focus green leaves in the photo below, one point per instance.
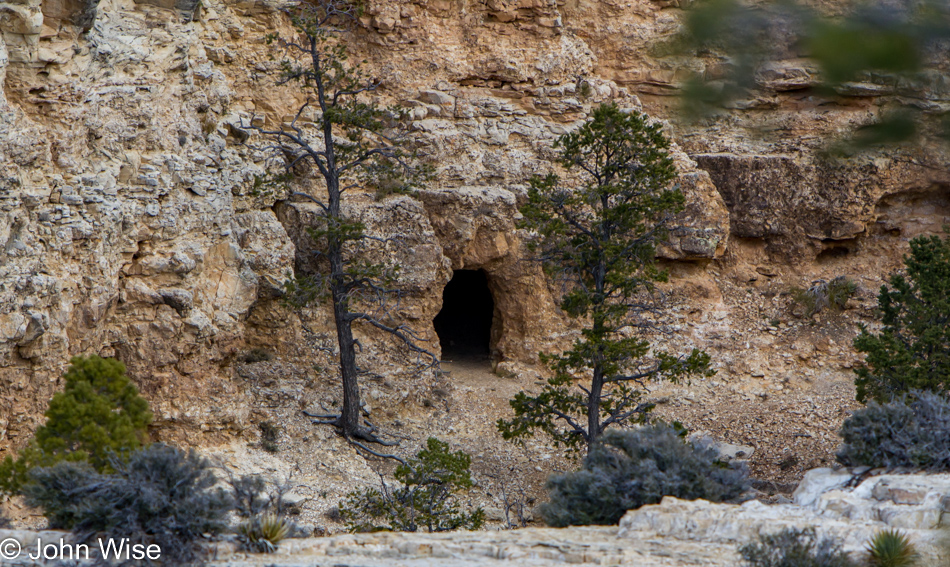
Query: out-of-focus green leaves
(845, 50)
(893, 51)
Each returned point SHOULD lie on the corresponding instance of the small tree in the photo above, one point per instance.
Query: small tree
(99, 414)
(600, 239)
(912, 351)
(426, 498)
(353, 144)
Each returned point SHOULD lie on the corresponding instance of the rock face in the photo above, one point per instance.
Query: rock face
(131, 228)
(808, 205)
(912, 504)
(130, 225)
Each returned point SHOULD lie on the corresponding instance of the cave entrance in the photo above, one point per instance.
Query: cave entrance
(465, 321)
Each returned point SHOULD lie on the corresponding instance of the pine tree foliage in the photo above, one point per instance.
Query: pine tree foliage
(99, 414)
(912, 351)
(599, 239)
(353, 145)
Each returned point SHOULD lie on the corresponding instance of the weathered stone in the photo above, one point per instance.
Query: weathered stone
(726, 451)
(24, 20)
(817, 482)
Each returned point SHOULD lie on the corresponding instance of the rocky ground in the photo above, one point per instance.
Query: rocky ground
(851, 509)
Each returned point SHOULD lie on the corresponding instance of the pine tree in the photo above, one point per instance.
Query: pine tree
(600, 239)
(912, 351)
(98, 414)
(352, 144)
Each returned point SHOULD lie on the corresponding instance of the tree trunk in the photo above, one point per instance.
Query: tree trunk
(597, 383)
(350, 414)
(349, 421)
(593, 406)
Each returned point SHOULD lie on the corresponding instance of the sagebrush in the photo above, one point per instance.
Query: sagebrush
(629, 469)
(425, 499)
(255, 495)
(161, 495)
(794, 547)
(911, 431)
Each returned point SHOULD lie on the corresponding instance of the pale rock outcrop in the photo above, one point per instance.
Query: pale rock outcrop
(912, 504)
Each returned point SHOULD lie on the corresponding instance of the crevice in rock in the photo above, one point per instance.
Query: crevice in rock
(464, 324)
(835, 250)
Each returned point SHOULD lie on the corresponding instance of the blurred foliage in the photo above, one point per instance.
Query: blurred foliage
(793, 547)
(894, 51)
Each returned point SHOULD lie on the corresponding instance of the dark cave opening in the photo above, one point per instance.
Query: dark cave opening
(465, 321)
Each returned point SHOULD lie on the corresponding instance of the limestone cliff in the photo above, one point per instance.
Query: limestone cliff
(130, 226)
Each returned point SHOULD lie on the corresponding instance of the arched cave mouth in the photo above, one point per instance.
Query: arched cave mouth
(465, 321)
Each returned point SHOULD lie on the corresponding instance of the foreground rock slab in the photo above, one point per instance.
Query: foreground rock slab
(837, 503)
(529, 547)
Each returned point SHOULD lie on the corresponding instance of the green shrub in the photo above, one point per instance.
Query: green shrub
(425, 499)
(161, 495)
(825, 295)
(890, 548)
(98, 414)
(263, 533)
(270, 434)
(628, 469)
(912, 431)
(794, 548)
(912, 351)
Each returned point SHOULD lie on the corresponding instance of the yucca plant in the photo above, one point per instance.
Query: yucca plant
(264, 533)
(890, 548)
